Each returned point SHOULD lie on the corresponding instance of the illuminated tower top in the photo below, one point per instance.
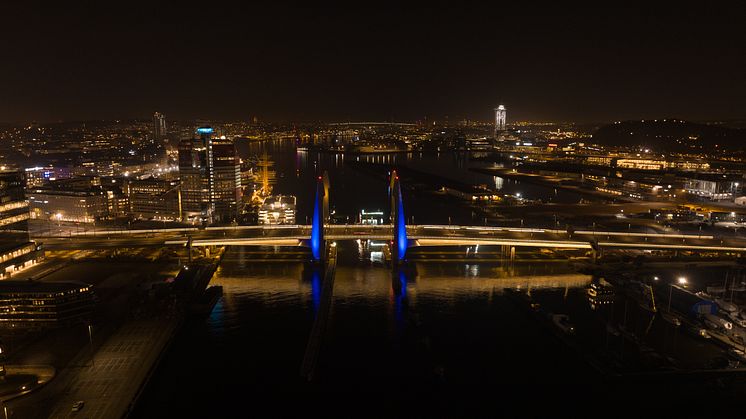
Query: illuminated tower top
(205, 132)
(499, 119)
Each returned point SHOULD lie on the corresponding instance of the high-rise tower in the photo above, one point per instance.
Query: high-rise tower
(210, 173)
(159, 126)
(194, 176)
(225, 179)
(499, 119)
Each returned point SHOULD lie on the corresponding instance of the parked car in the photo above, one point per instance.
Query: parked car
(78, 405)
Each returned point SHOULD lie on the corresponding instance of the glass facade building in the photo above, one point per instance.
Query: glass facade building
(210, 174)
(44, 303)
(16, 250)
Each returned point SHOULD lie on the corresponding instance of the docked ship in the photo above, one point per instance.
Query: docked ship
(478, 144)
(277, 209)
(264, 179)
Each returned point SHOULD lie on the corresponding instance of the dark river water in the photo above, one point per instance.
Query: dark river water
(441, 340)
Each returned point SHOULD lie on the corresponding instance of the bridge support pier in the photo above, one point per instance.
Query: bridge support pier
(596, 251)
(508, 252)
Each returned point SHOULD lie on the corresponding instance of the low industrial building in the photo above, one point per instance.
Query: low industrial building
(81, 200)
(713, 186)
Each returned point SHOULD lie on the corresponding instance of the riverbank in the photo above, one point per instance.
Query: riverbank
(547, 181)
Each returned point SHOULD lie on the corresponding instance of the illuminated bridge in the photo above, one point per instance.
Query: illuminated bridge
(398, 235)
(417, 236)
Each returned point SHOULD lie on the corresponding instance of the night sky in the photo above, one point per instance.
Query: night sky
(384, 62)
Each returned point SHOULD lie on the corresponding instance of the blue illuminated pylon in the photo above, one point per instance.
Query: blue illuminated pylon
(317, 223)
(399, 249)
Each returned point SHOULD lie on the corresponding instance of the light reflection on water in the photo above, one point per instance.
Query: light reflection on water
(290, 283)
(430, 326)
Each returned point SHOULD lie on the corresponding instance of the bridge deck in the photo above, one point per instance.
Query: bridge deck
(426, 235)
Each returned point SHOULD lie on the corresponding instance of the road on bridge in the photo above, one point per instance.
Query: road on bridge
(424, 235)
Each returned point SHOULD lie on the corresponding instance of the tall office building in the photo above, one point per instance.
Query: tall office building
(159, 126)
(16, 250)
(194, 177)
(225, 179)
(210, 173)
(499, 119)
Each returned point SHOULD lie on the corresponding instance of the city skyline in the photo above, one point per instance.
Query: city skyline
(396, 63)
(386, 210)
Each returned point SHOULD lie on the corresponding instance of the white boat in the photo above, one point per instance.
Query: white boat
(736, 318)
(737, 354)
(726, 306)
(719, 322)
(698, 331)
(277, 209)
(716, 290)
